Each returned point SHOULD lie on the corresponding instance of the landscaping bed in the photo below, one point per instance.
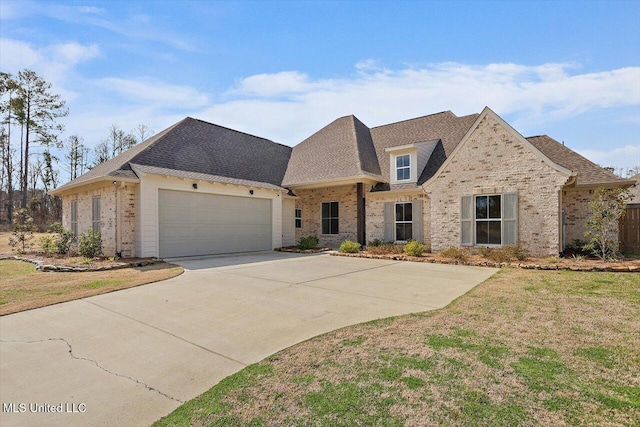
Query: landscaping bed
(586, 264)
(298, 250)
(80, 264)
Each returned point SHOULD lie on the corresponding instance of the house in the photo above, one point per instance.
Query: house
(197, 188)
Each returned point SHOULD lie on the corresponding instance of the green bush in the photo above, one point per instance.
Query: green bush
(385, 249)
(413, 248)
(349, 246)
(455, 253)
(59, 243)
(309, 242)
(47, 246)
(375, 242)
(90, 244)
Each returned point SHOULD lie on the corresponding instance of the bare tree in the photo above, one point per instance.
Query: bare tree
(118, 142)
(75, 155)
(143, 132)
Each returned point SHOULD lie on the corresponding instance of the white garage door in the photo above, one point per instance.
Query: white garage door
(207, 224)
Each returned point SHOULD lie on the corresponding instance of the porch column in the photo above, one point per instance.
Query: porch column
(360, 214)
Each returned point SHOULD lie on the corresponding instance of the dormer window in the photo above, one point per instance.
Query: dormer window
(403, 167)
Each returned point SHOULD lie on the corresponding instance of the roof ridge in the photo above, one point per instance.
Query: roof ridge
(355, 135)
(234, 130)
(420, 117)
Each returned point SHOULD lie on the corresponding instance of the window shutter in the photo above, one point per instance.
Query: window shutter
(510, 219)
(389, 222)
(466, 220)
(417, 220)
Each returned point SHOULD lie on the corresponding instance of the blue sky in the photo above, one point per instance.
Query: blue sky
(283, 70)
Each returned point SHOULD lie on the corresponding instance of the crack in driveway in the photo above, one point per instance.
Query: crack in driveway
(73, 356)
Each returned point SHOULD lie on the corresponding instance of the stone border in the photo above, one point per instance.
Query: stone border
(295, 250)
(528, 266)
(42, 265)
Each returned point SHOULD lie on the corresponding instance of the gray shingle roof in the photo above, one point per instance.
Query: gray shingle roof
(341, 149)
(588, 173)
(195, 146)
(444, 126)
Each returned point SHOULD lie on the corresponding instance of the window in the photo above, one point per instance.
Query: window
(489, 220)
(403, 167)
(74, 217)
(330, 218)
(404, 221)
(95, 214)
(298, 218)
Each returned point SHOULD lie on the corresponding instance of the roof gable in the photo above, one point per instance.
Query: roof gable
(445, 127)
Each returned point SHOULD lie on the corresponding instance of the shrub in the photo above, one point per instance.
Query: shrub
(349, 246)
(576, 247)
(375, 242)
(504, 254)
(90, 244)
(309, 242)
(22, 232)
(413, 248)
(516, 252)
(607, 207)
(385, 249)
(59, 243)
(455, 253)
(47, 245)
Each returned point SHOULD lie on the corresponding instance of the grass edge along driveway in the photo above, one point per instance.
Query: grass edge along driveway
(524, 347)
(22, 287)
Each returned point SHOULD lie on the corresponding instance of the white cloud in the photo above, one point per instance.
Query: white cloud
(625, 157)
(158, 93)
(289, 106)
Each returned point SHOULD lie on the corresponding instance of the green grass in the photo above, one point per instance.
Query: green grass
(102, 283)
(524, 348)
(11, 268)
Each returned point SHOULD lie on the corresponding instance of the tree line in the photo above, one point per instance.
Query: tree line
(30, 127)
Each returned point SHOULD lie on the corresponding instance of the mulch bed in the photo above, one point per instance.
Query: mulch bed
(76, 264)
(624, 266)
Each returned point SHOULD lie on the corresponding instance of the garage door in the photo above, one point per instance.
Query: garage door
(207, 224)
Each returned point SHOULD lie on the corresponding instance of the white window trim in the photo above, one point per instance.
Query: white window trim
(397, 168)
(296, 218)
(395, 221)
(329, 218)
(475, 220)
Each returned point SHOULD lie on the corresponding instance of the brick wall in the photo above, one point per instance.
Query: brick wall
(493, 161)
(108, 221)
(375, 214)
(310, 201)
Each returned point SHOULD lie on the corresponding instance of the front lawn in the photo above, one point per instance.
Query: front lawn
(523, 348)
(22, 287)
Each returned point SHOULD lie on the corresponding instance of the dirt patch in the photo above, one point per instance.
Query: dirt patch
(22, 287)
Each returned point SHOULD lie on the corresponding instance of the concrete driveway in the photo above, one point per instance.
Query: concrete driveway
(131, 357)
